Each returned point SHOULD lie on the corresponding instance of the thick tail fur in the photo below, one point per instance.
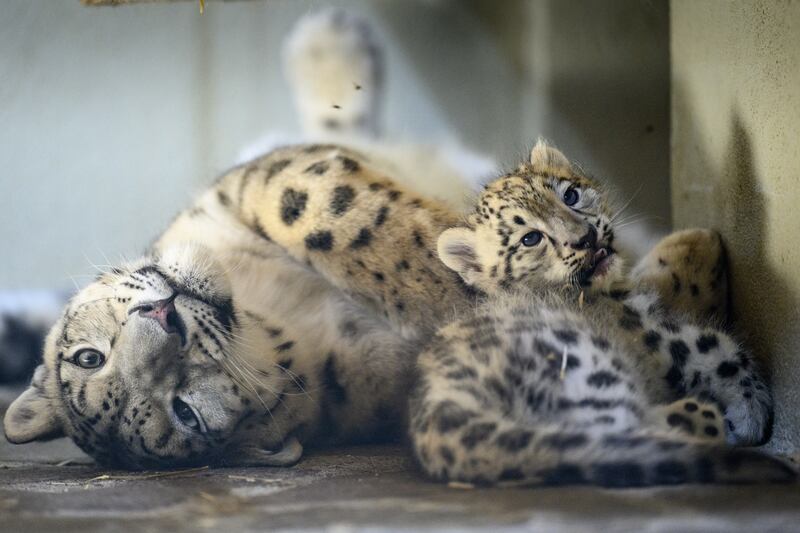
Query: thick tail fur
(450, 445)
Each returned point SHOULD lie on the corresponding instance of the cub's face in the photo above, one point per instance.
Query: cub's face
(138, 371)
(545, 225)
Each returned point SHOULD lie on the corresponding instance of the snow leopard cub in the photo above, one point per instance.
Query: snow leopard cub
(567, 375)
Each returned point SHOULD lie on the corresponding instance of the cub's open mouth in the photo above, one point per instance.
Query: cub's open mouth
(599, 265)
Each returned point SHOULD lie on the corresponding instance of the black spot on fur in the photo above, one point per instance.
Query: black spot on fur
(364, 238)
(342, 199)
(349, 165)
(727, 369)
(318, 168)
(380, 217)
(690, 407)
(321, 241)
(711, 431)
(223, 198)
(402, 265)
(277, 167)
(418, 239)
(447, 454)
(600, 343)
(621, 474)
(293, 203)
(709, 414)
(514, 440)
(652, 339)
(676, 284)
(707, 342)
(671, 473)
(477, 433)
(565, 441)
(675, 378)
(563, 474)
(694, 289)
(330, 381)
(601, 379)
(567, 336)
(519, 220)
(449, 416)
(379, 277)
(679, 352)
(512, 474)
(630, 319)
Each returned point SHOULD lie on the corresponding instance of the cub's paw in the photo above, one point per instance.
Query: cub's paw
(748, 420)
(335, 66)
(689, 270)
(693, 418)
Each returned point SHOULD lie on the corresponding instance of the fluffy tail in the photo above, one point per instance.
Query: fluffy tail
(452, 444)
(335, 66)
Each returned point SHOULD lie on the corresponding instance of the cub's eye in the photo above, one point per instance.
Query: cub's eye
(571, 196)
(89, 358)
(185, 414)
(532, 238)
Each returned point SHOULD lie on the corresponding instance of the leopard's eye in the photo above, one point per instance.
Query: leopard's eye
(89, 358)
(532, 238)
(571, 196)
(185, 414)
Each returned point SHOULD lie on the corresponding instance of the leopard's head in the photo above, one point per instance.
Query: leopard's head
(544, 225)
(141, 372)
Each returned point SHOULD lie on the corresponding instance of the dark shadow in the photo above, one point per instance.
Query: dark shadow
(729, 199)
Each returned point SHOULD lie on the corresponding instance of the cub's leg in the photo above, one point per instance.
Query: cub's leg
(679, 360)
(335, 66)
(689, 271)
(326, 207)
(493, 405)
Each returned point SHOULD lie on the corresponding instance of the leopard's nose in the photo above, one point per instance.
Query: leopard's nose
(163, 312)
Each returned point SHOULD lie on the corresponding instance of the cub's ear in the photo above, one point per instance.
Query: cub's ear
(457, 250)
(545, 155)
(31, 416)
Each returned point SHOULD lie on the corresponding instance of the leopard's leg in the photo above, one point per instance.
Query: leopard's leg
(334, 63)
(328, 207)
(688, 269)
(679, 360)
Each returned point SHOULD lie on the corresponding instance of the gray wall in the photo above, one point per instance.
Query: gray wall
(110, 118)
(736, 168)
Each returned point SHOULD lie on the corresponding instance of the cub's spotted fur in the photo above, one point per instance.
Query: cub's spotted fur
(569, 383)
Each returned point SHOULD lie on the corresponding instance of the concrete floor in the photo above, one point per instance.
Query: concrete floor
(54, 487)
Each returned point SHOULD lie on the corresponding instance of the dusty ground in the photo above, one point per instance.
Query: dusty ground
(53, 487)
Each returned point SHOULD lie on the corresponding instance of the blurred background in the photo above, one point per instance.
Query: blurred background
(689, 107)
(100, 105)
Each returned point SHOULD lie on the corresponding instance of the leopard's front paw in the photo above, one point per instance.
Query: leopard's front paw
(689, 270)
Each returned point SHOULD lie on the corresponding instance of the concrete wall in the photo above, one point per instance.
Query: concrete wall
(111, 118)
(736, 167)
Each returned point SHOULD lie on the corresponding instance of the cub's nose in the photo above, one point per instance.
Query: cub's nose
(163, 312)
(587, 241)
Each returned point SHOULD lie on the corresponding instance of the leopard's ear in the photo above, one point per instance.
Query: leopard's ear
(544, 155)
(32, 416)
(457, 250)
